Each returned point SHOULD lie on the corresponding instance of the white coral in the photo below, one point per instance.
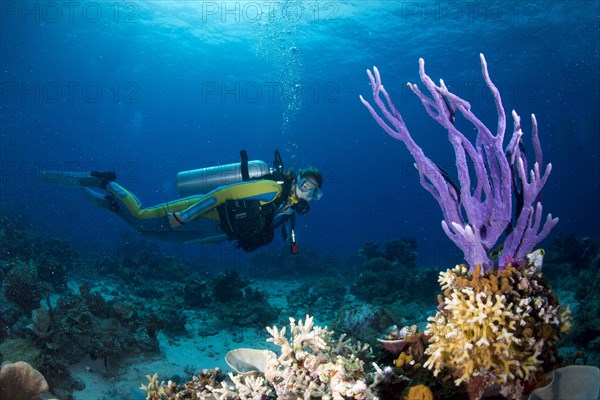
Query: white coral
(250, 387)
(312, 364)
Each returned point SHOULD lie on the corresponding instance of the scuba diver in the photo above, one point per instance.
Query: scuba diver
(244, 202)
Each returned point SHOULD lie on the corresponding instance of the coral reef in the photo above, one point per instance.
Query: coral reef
(311, 364)
(587, 316)
(229, 287)
(400, 250)
(20, 349)
(54, 260)
(495, 327)
(383, 282)
(283, 265)
(324, 295)
(572, 264)
(195, 389)
(579, 253)
(135, 257)
(49, 258)
(196, 292)
(498, 322)
(582, 276)
(403, 251)
(239, 304)
(377, 278)
(77, 327)
(360, 322)
(23, 287)
(113, 317)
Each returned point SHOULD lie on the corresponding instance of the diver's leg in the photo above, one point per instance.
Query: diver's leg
(125, 198)
(120, 200)
(127, 206)
(134, 206)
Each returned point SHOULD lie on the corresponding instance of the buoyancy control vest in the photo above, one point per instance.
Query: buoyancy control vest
(246, 221)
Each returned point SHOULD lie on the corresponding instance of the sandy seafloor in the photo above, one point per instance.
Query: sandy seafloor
(202, 348)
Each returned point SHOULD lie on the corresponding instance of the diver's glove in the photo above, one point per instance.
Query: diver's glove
(175, 221)
(301, 207)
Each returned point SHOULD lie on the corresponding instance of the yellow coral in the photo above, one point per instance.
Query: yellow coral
(403, 359)
(478, 331)
(473, 319)
(153, 390)
(419, 392)
(565, 320)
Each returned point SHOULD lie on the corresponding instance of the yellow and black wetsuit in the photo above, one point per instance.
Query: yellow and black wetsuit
(265, 191)
(198, 213)
(243, 211)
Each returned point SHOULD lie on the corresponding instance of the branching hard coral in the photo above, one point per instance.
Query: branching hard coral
(312, 365)
(152, 386)
(245, 387)
(196, 389)
(504, 333)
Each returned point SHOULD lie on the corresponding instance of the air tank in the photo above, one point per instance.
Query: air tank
(203, 180)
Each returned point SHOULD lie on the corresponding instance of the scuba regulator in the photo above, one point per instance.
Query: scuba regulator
(301, 206)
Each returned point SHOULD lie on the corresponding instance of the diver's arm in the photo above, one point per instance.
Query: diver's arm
(281, 217)
(185, 216)
(264, 191)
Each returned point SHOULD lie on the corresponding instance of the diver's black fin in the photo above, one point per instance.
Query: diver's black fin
(109, 176)
(97, 179)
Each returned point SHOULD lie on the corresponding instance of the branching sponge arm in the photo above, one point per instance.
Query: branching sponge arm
(481, 211)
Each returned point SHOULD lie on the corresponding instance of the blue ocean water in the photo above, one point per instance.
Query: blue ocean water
(155, 87)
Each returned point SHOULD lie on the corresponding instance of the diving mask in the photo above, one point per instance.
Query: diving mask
(309, 188)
